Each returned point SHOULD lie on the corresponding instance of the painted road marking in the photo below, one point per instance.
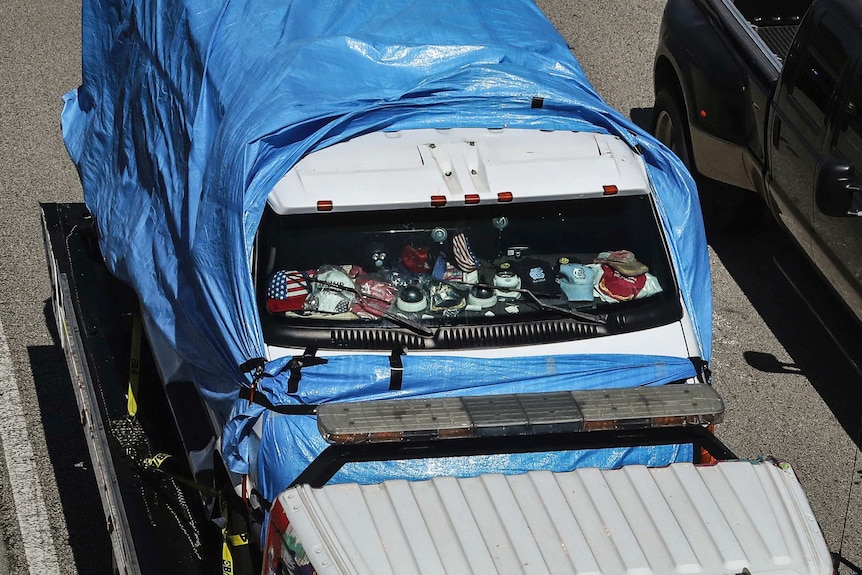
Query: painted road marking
(33, 521)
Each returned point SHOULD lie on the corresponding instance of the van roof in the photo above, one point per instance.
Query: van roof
(405, 169)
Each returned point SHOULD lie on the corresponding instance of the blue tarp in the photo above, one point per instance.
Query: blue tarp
(281, 461)
(191, 110)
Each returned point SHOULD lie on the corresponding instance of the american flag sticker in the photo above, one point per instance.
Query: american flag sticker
(287, 291)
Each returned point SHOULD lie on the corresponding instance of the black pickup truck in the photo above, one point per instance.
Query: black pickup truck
(766, 96)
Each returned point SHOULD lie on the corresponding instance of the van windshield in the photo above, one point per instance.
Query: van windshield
(460, 266)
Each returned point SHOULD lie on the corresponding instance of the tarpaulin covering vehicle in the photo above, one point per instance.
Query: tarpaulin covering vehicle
(190, 113)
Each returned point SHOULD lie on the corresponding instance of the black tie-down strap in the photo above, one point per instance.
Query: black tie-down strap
(396, 369)
(704, 374)
(284, 409)
(256, 366)
(297, 362)
(295, 365)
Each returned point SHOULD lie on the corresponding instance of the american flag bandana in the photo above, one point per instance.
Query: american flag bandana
(287, 291)
(464, 256)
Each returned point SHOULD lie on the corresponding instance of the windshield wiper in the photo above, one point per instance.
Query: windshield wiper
(534, 299)
(396, 319)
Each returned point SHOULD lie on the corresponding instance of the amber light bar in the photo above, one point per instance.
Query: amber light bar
(519, 414)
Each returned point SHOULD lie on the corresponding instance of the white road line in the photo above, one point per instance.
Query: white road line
(33, 521)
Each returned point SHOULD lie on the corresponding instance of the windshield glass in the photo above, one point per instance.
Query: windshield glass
(461, 266)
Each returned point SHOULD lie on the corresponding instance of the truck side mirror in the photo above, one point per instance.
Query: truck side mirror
(838, 192)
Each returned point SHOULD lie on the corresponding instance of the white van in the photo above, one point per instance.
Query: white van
(469, 242)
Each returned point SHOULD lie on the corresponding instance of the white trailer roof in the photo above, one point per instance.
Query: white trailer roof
(404, 169)
(687, 519)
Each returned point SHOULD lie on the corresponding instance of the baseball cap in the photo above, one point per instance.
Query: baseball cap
(576, 281)
(535, 275)
(327, 295)
(506, 280)
(415, 259)
(622, 261)
(618, 286)
(287, 291)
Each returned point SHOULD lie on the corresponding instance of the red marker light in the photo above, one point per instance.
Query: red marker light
(438, 201)
(471, 198)
(703, 113)
(504, 197)
(324, 205)
(610, 190)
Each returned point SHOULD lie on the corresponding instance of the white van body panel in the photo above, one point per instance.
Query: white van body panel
(402, 170)
(731, 517)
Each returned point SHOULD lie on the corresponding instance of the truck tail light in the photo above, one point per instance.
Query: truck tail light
(438, 201)
(610, 190)
(382, 421)
(471, 198)
(504, 197)
(324, 205)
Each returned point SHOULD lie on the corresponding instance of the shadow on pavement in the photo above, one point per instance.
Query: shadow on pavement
(784, 288)
(769, 271)
(67, 449)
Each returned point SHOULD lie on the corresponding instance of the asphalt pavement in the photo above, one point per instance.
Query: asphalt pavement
(789, 391)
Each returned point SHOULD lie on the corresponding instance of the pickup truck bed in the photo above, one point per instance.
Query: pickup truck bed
(716, 68)
(775, 23)
(777, 38)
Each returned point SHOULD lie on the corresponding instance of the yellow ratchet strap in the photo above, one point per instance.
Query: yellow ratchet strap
(134, 366)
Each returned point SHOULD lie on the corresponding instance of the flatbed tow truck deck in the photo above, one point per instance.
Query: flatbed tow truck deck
(158, 521)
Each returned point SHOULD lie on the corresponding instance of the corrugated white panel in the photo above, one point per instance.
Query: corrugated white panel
(636, 521)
